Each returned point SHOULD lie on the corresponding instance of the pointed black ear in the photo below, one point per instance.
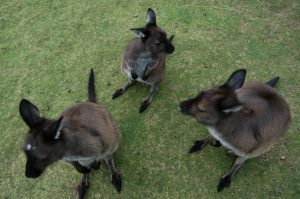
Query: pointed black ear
(171, 38)
(151, 18)
(140, 32)
(30, 113)
(236, 80)
(54, 131)
(230, 105)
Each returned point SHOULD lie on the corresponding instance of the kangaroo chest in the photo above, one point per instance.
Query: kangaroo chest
(218, 136)
(84, 161)
(141, 63)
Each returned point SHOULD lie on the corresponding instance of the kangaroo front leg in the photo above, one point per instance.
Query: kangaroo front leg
(84, 185)
(115, 176)
(225, 180)
(200, 144)
(80, 168)
(120, 91)
(148, 100)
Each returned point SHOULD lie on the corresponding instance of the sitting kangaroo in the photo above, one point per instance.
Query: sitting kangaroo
(144, 58)
(245, 118)
(83, 135)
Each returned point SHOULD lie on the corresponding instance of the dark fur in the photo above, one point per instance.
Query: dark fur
(154, 44)
(91, 88)
(248, 118)
(273, 81)
(83, 135)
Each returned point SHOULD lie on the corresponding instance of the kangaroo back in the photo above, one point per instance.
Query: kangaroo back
(246, 118)
(264, 118)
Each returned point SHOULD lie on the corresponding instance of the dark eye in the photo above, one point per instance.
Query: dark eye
(157, 43)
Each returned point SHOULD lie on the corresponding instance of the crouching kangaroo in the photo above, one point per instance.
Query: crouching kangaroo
(83, 135)
(245, 118)
(144, 58)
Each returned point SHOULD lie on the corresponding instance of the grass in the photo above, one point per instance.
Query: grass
(48, 47)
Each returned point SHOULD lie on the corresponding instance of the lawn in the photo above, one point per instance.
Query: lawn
(48, 47)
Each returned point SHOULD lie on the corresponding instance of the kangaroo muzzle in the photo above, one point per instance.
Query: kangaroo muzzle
(170, 48)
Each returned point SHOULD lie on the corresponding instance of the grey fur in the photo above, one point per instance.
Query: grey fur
(256, 116)
(84, 134)
(144, 58)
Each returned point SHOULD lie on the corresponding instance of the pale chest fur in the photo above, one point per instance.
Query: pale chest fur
(84, 161)
(218, 136)
(140, 64)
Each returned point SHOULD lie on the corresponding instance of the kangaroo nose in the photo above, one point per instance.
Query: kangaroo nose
(170, 49)
(32, 174)
(182, 106)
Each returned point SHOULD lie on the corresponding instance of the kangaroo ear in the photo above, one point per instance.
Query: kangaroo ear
(151, 18)
(30, 113)
(171, 38)
(230, 105)
(54, 131)
(140, 32)
(236, 80)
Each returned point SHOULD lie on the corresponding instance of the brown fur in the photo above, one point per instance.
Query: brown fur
(89, 131)
(84, 134)
(264, 118)
(246, 119)
(144, 58)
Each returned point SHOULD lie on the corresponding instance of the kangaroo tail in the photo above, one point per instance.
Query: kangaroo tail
(273, 81)
(91, 88)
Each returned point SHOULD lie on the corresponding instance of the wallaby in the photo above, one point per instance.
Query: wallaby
(144, 58)
(83, 135)
(245, 118)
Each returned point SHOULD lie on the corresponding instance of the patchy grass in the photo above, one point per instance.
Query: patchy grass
(48, 47)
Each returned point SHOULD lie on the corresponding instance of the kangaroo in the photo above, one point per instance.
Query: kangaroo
(246, 118)
(144, 58)
(83, 135)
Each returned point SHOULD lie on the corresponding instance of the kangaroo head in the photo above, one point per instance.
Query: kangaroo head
(43, 142)
(153, 37)
(209, 106)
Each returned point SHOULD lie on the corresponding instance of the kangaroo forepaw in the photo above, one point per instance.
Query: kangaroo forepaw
(134, 75)
(198, 145)
(216, 143)
(145, 77)
(96, 165)
(224, 182)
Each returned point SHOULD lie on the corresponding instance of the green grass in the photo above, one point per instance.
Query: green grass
(47, 49)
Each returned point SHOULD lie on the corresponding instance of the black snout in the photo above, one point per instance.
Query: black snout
(185, 107)
(32, 172)
(170, 48)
